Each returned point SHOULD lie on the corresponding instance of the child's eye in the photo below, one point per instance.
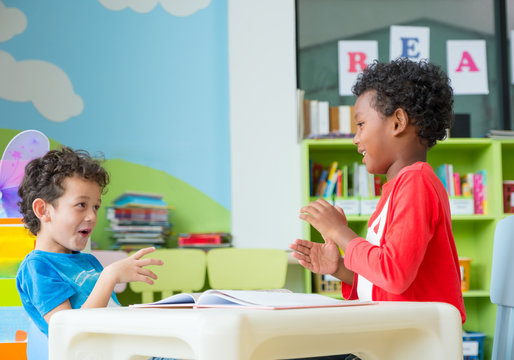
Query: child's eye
(81, 204)
(96, 207)
(359, 124)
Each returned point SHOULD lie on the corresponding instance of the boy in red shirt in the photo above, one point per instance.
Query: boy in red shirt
(409, 253)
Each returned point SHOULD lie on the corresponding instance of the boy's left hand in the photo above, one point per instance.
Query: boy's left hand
(133, 267)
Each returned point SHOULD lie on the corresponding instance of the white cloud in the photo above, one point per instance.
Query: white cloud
(42, 83)
(174, 7)
(12, 22)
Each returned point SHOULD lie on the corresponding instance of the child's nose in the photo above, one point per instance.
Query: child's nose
(91, 215)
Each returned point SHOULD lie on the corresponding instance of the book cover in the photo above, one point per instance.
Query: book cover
(254, 299)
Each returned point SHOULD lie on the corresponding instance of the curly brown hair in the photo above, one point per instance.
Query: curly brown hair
(44, 176)
(422, 89)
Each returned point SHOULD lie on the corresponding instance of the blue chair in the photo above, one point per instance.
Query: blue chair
(502, 289)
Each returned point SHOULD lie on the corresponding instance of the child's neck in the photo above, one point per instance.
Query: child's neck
(44, 243)
(405, 160)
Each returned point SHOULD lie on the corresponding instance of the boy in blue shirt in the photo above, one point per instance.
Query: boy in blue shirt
(60, 197)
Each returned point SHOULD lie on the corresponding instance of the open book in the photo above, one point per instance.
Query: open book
(256, 299)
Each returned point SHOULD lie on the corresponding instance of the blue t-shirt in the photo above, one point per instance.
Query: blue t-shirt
(45, 280)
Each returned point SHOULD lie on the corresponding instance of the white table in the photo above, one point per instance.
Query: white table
(388, 330)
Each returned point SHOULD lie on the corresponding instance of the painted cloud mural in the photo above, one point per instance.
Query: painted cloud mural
(12, 22)
(174, 7)
(30, 80)
(37, 81)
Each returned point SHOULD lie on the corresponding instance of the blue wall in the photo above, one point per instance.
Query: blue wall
(148, 86)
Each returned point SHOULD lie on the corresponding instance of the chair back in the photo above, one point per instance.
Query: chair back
(107, 257)
(502, 289)
(183, 271)
(246, 269)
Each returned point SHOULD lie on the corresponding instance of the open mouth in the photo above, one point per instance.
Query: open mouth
(85, 232)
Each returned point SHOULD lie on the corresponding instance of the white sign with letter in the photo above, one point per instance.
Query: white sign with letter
(412, 42)
(467, 66)
(354, 56)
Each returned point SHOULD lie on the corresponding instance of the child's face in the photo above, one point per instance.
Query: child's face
(372, 135)
(73, 218)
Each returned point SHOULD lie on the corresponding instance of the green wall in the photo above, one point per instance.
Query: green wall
(193, 211)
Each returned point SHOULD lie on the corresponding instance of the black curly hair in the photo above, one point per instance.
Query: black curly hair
(422, 89)
(44, 176)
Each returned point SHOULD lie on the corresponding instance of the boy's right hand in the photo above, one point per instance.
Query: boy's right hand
(132, 268)
(316, 257)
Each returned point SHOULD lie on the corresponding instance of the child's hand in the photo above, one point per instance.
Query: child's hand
(132, 268)
(316, 257)
(329, 220)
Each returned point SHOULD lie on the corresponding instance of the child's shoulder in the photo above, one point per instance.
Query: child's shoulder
(419, 169)
(420, 173)
(40, 256)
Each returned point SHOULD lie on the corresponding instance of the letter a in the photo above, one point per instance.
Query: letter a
(467, 60)
(357, 58)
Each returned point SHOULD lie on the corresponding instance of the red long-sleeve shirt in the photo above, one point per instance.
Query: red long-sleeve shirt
(417, 258)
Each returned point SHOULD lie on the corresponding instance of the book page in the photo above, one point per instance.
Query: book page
(177, 300)
(266, 299)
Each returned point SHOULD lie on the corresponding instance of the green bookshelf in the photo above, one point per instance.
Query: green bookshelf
(474, 234)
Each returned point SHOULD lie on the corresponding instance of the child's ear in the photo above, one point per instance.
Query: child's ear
(400, 121)
(40, 208)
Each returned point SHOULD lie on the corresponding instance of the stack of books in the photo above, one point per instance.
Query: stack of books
(139, 220)
(204, 240)
(500, 134)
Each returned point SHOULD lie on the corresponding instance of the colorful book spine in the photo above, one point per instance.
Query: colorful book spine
(322, 183)
(339, 186)
(508, 196)
(478, 193)
(331, 180)
(456, 184)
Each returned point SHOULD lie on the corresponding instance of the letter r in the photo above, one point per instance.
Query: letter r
(357, 58)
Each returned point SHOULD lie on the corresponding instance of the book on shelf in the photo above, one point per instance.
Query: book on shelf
(306, 118)
(317, 119)
(334, 119)
(141, 240)
(323, 117)
(300, 121)
(204, 239)
(500, 134)
(331, 180)
(137, 214)
(508, 196)
(252, 299)
(467, 192)
(138, 220)
(314, 117)
(343, 181)
(140, 199)
(138, 228)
